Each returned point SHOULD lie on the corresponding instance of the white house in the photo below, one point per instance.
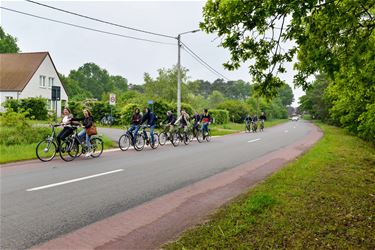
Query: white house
(24, 75)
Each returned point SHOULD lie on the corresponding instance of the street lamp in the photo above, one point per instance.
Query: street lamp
(179, 69)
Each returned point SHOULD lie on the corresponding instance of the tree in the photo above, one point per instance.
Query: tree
(8, 43)
(91, 81)
(285, 94)
(215, 99)
(165, 84)
(315, 101)
(321, 30)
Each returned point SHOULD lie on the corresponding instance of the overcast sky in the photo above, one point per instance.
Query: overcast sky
(71, 47)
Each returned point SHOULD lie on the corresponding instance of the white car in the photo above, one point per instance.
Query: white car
(295, 118)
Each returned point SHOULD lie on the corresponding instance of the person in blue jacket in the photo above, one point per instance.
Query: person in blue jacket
(150, 117)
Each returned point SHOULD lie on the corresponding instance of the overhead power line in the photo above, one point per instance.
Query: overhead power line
(100, 20)
(201, 61)
(86, 28)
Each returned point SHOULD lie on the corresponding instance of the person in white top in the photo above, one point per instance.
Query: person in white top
(67, 129)
(183, 120)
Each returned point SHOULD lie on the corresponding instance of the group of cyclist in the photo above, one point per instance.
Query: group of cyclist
(170, 123)
(251, 122)
(197, 122)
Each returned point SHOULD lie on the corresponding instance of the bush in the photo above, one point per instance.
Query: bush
(237, 110)
(127, 113)
(76, 108)
(15, 129)
(219, 116)
(14, 119)
(36, 107)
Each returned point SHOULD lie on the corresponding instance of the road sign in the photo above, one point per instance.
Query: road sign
(150, 102)
(56, 92)
(112, 99)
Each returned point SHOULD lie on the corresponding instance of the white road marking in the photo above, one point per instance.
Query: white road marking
(73, 180)
(286, 131)
(255, 140)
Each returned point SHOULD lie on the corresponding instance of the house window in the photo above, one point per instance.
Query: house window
(42, 81)
(50, 82)
(8, 97)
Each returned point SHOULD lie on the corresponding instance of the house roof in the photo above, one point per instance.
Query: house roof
(16, 70)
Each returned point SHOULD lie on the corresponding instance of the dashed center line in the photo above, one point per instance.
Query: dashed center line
(73, 180)
(254, 140)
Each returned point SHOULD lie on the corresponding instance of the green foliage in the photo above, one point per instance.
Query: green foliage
(91, 81)
(8, 43)
(322, 31)
(315, 102)
(14, 119)
(215, 99)
(165, 84)
(77, 108)
(220, 116)
(127, 113)
(161, 107)
(15, 129)
(36, 107)
(237, 110)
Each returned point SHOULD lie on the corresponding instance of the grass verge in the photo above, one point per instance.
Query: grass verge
(323, 200)
(230, 128)
(22, 152)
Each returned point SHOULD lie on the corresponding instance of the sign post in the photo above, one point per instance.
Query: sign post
(55, 96)
(112, 101)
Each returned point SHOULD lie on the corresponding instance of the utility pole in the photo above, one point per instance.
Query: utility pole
(179, 69)
(179, 74)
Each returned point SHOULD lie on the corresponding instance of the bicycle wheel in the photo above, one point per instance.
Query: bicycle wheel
(199, 136)
(124, 142)
(162, 138)
(156, 141)
(46, 150)
(208, 136)
(96, 147)
(175, 139)
(139, 143)
(69, 150)
(186, 138)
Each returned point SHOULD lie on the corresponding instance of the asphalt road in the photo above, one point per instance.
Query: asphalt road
(40, 201)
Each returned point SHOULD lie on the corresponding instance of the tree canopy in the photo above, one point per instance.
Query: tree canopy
(327, 34)
(8, 43)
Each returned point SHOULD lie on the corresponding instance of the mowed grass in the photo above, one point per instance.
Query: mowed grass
(323, 200)
(22, 152)
(230, 128)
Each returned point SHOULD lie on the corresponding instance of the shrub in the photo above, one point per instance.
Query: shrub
(36, 107)
(219, 116)
(127, 113)
(15, 120)
(237, 110)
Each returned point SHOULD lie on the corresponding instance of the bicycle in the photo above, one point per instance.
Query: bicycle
(165, 135)
(180, 135)
(255, 126)
(207, 136)
(74, 146)
(261, 125)
(247, 127)
(125, 140)
(197, 132)
(141, 139)
(46, 149)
